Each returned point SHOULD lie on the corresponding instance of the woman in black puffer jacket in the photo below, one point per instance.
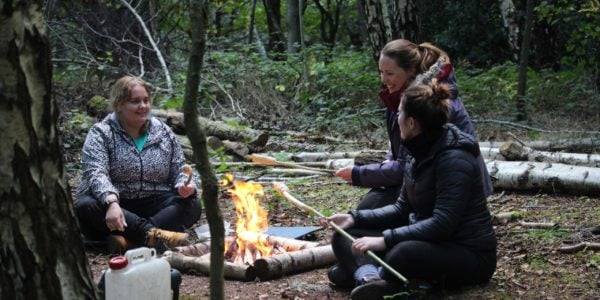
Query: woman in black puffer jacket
(440, 228)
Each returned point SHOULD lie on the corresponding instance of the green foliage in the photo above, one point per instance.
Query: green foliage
(493, 90)
(577, 25)
(75, 128)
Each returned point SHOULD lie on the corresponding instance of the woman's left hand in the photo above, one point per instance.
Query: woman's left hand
(186, 190)
(373, 243)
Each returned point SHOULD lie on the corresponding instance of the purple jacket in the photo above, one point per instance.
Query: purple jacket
(391, 173)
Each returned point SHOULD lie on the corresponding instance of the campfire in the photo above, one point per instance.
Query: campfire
(249, 252)
(249, 242)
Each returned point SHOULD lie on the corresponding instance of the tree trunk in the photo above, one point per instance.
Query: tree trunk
(276, 44)
(586, 145)
(512, 150)
(293, 262)
(42, 254)
(551, 177)
(251, 26)
(511, 24)
(397, 19)
(293, 26)
(523, 63)
(330, 19)
(210, 188)
(219, 129)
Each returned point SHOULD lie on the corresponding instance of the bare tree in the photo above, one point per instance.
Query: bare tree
(388, 20)
(42, 254)
(330, 20)
(210, 187)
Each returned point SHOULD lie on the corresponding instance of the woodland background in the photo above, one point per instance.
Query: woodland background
(526, 69)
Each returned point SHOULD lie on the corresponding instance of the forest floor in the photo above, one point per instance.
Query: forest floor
(529, 265)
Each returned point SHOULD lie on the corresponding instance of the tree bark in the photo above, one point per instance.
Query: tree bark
(203, 265)
(523, 63)
(544, 176)
(293, 26)
(42, 255)
(251, 26)
(293, 262)
(511, 24)
(512, 150)
(389, 20)
(276, 44)
(210, 188)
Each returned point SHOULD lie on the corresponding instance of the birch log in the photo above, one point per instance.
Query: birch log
(585, 145)
(512, 150)
(292, 262)
(545, 176)
(219, 129)
(201, 264)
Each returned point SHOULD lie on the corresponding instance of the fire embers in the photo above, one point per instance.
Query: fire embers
(249, 243)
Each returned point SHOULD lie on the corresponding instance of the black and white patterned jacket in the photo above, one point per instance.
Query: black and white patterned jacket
(112, 163)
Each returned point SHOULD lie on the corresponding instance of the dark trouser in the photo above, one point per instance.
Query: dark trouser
(379, 197)
(451, 264)
(168, 211)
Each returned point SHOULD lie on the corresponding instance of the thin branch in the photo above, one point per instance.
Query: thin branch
(156, 50)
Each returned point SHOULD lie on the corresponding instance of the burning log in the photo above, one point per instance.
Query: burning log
(201, 264)
(198, 249)
(293, 262)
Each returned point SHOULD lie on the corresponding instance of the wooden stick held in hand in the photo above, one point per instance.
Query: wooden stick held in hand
(283, 190)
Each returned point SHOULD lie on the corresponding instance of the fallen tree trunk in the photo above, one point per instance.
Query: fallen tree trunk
(545, 176)
(201, 264)
(219, 129)
(586, 145)
(292, 262)
(512, 150)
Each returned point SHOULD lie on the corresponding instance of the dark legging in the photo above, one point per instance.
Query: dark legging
(379, 197)
(451, 264)
(168, 211)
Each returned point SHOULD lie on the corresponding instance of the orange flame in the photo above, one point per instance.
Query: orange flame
(251, 221)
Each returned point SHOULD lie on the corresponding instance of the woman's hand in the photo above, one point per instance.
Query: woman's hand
(115, 220)
(186, 190)
(345, 173)
(373, 243)
(343, 220)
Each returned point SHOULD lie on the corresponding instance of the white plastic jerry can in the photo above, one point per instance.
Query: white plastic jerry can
(138, 275)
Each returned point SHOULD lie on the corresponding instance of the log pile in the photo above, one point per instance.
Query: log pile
(297, 256)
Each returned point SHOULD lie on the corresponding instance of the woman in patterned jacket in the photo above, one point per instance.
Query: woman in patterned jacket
(133, 191)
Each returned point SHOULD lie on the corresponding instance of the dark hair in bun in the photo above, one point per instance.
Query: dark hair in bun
(428, 104)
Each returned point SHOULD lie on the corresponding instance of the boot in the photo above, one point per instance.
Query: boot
(165, 238)
(340, 278)
(118, 244)
(379, 289)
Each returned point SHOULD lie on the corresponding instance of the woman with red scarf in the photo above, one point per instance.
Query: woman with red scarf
(400, 62)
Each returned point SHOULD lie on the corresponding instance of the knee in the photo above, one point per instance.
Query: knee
(86, 206)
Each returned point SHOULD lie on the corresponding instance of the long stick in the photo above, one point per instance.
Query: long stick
(282, 189)
(270, 161)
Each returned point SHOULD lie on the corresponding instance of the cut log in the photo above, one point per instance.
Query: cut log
(292, 262)
(512, 150)
(323, 156)
(334, 164)
(545, 176)
(491, 153)
(219, 129)
(201, 264)
(586, 145)
(290, 244)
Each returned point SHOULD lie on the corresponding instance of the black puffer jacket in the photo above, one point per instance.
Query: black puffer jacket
(442, 198)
